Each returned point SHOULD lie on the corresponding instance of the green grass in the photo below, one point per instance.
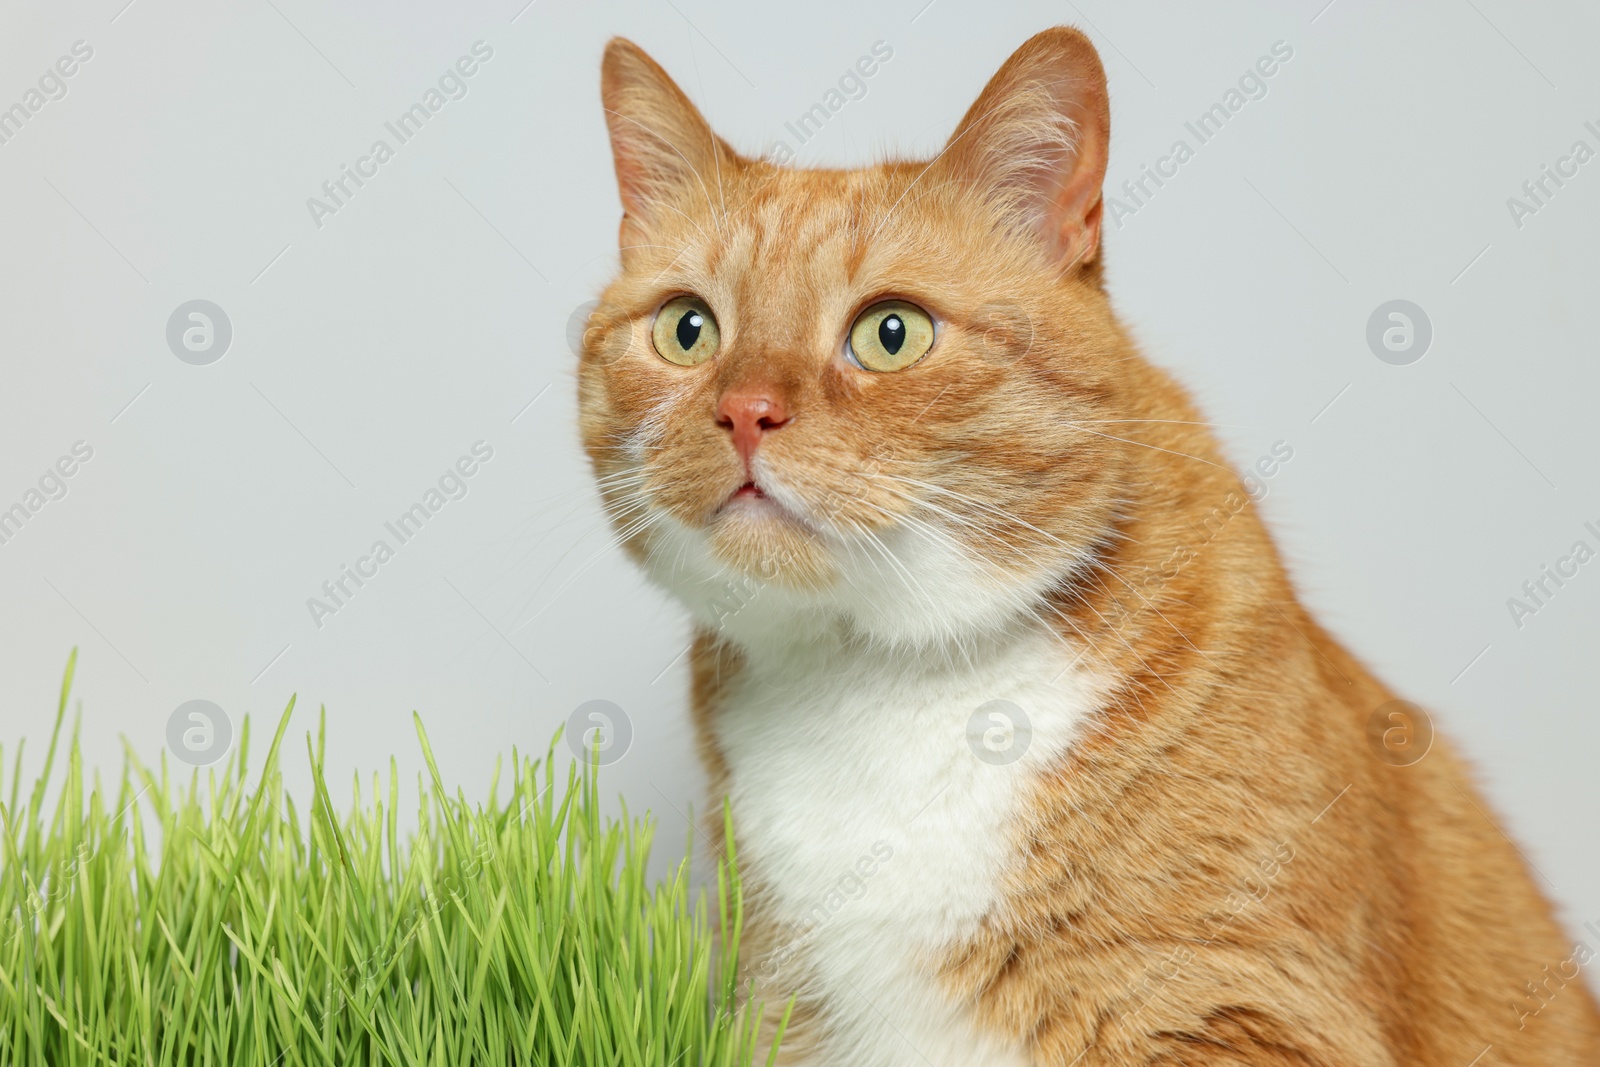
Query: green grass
(249, 933)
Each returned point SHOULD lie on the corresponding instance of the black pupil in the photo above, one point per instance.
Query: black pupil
(689, 329)
(891, 334)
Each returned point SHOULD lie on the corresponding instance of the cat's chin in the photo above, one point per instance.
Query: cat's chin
(761, 539)
(763, 579)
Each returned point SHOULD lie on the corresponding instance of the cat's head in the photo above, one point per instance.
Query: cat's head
(872, 398)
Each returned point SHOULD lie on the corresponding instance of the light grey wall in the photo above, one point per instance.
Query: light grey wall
(431, 311)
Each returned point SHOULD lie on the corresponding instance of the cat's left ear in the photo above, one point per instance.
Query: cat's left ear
(663, 147)
(1035, 143)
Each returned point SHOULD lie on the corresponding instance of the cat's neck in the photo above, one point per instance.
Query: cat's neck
(916, 593)
(772, 639)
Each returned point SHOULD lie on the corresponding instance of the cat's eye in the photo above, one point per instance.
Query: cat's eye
(685, 331)
(891, 335)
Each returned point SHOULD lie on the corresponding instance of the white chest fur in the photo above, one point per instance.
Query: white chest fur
(880, 836)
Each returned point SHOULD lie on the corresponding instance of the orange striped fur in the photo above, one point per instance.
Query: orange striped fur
(1207, 860)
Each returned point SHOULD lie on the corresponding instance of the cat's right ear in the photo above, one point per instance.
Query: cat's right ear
(664, 150)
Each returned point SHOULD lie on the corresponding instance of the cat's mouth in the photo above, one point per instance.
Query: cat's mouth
(751, 501)
(760, 530)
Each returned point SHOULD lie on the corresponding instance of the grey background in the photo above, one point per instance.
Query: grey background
(431, 311)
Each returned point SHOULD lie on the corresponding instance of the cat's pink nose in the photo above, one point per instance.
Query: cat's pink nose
(750, 411)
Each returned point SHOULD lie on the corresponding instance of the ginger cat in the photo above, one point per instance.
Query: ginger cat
(1033, 756)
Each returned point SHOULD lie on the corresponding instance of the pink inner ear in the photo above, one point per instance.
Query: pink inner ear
(661, 145)
(1036, 140)
(1076, 210)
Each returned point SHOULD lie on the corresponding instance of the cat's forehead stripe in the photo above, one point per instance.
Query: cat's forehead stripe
(775, 241)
